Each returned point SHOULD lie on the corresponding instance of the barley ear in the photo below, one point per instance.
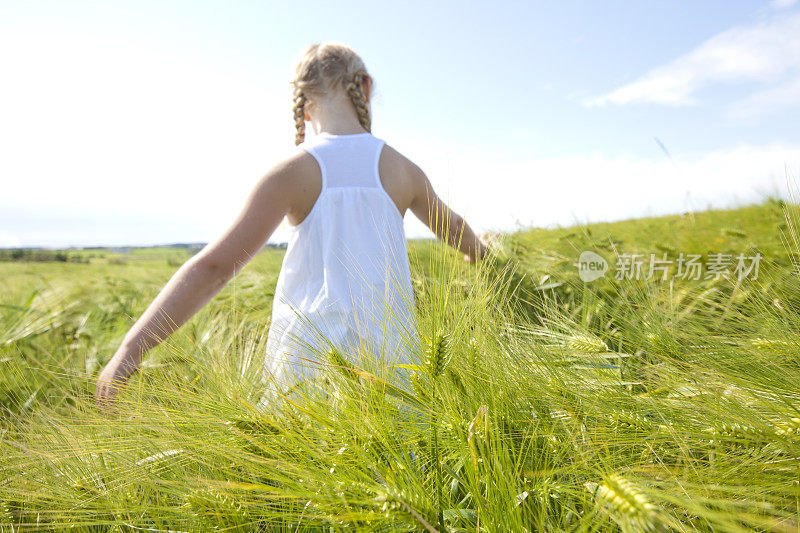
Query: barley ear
(339, 361)
(439, 353)
(581, 342)
(625, 501)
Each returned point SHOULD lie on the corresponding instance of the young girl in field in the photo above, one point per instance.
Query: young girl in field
(345, 282)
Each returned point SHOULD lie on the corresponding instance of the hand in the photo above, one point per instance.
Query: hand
(113, 376)
(490, 238)
(484, 242)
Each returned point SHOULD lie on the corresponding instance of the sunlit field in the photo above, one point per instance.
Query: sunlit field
(538, 401)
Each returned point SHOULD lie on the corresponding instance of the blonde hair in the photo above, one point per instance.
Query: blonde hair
(326, 67)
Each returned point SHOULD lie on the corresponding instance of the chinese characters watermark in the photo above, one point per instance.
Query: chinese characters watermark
(592, 266)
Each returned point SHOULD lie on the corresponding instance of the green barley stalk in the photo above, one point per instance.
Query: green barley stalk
(439, 355)
(6, 518)
(209, 506)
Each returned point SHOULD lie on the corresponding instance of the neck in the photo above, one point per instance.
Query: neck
(336, 117)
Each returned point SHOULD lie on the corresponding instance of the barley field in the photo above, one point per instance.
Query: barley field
(537, 401)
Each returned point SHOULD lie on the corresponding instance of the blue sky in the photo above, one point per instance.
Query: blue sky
(149, 122)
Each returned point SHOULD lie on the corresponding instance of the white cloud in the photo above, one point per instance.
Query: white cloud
(767, 52)
(783, 4)
(782, 97)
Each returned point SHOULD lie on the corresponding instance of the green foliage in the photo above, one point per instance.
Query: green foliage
(536, 401)
(32, 254)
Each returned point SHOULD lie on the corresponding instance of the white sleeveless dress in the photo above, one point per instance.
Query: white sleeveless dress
(345, 281)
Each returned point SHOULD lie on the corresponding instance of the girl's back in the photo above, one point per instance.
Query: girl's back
(345, 281)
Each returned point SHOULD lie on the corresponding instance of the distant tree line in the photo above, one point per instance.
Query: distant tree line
(31, 254)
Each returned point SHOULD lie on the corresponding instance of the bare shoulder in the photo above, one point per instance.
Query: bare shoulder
(293, 166)
(297, 179)
(415, 180)
(409, 177)
(395, 162)
(294, 173)
(401, 177)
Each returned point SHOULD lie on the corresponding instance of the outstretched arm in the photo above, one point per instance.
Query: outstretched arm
(445, 223)
(203, 276)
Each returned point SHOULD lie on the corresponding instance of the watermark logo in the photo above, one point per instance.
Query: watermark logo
(591, 266)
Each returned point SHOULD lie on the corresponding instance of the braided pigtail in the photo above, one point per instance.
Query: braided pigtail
(356, 91)
(299, 116)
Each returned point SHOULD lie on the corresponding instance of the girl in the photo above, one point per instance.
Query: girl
(345, 278)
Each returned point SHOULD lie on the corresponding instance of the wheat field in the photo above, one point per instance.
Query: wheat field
(537, 401)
